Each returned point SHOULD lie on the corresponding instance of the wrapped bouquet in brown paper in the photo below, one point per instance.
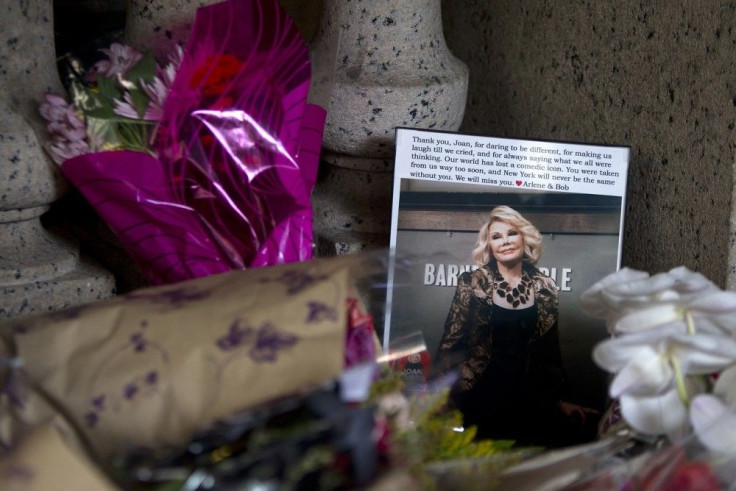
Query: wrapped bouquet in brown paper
(42, 460)
(151, 368)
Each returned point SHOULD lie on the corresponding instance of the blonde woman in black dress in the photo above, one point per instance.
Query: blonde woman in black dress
(501, 335)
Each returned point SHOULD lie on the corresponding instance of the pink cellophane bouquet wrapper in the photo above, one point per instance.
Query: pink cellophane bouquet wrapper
(237, 149)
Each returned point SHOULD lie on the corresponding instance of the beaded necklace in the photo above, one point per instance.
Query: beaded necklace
(515, 296)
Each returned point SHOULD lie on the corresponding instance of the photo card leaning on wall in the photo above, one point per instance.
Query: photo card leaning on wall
(495, 239)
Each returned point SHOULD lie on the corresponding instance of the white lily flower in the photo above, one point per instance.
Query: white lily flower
(646, 373)
(714, 423)
(591, 299)
(631, 301)
(712, 311)
(653, 358)
(713, 416)
(673, 330)
(652, 375)
(661, 414)
(725, 386)
(691, 282)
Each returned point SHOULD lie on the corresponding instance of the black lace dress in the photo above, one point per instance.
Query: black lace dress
(502, 401)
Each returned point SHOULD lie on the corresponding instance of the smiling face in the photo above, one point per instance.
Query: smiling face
(506, 243)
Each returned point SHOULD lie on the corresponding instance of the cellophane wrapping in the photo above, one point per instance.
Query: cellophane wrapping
(234, 156)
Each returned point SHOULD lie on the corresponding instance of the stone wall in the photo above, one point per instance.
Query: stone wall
(657, 78)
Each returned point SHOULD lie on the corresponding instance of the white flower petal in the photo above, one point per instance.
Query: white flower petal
(613, 354)
(714, 424)
(721, 324)
(702, 353)
(648, 317)
(646, 374)
(657, 415)
(590, 299)
(719, 302)
(725, 386)
(643, 287)
(690, 281)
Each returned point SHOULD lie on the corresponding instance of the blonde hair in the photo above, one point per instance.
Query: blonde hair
(532, 238)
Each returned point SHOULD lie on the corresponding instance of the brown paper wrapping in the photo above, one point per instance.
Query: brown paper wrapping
(151, 368)
(43, 461)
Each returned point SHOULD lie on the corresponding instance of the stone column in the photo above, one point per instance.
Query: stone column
(39, 271)
(392, 68)
(160, 25)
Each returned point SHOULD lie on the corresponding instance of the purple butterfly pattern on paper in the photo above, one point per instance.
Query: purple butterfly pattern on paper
(98, 403)
(140, 386)
(264, 343)
(269, 342)
(319, 312)
(296, 281)
(130, 390)
(177, 297)
(151, 378)
(236, 336)
(139, 342)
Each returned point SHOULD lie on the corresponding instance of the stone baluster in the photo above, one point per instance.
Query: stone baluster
(40, 271)
(392, 69)
(160, 25)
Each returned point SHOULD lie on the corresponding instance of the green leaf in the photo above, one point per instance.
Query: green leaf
(140, 101)
(107, 90)
(144, 70)
(104, 111)
(102, 130)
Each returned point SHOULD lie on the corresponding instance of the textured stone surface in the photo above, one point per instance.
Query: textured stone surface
(39, 271)
(656, 77)
(85, 283)
(159, 25)
(392, 68)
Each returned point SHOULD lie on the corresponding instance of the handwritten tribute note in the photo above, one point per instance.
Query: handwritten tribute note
(522, 164)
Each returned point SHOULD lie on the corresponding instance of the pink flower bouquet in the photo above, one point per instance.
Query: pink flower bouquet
(206, 164)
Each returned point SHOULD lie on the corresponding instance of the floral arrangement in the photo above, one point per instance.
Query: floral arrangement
(673, 353)
(114, 107)
(204, 164)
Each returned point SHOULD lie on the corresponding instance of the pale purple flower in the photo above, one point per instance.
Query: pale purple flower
(121, 59)
(62, 149)
(71, 129)
(157, 92)
(55, 108)
(125, 108)
(169, 71)
(67, 130)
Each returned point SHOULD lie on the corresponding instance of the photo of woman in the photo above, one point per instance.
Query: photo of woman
(502, 336)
